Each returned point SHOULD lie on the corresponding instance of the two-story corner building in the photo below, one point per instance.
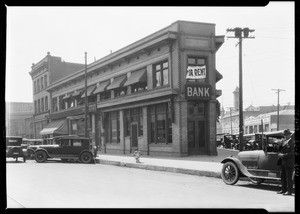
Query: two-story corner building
(157, 94)
(43, 74)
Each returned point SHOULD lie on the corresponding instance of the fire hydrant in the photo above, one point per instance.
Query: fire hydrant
(136, 155)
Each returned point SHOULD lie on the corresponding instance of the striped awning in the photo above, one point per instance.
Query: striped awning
(102, 87)
(137, 76)
(56, 126)
(89, 91)
(118, 82)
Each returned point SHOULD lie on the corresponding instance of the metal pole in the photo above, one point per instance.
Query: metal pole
(230, 121)
(241, 123)
(278, 91)
(86, 101)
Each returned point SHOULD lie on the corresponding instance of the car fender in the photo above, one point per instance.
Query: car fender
(243, 170)
(41, 149)
(86, 150)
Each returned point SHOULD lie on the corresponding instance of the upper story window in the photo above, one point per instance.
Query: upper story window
(161, 74)
(197, 62)
(42, 82)
(45, 81)
(38, 85)
(34, 87)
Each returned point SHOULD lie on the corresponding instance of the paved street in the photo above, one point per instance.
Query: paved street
(72, 185)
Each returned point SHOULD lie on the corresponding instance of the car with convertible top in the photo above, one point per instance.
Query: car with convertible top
(258, 165)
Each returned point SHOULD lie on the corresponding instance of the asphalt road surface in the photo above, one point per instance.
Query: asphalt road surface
(73, 185)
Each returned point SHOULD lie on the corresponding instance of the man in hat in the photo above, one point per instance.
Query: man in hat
(287, 160)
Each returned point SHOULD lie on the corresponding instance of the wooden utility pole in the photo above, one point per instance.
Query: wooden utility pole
(238, 34)
(278, 91)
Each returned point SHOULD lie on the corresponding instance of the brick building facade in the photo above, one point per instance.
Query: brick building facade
(157, 94)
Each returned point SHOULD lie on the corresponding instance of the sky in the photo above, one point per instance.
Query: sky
(69, 32)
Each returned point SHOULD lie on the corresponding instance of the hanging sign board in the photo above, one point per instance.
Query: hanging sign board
(197, 91)
(196, 72)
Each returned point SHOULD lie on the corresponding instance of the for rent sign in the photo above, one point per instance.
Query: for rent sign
(196, 92)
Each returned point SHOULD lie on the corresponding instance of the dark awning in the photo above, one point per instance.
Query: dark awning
(89, 91)
(137, 76)
(57, 126)
(218, 76)
(118, 82)
(102, 86)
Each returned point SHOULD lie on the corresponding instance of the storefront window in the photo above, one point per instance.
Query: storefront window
(160, 124)
(113, 127)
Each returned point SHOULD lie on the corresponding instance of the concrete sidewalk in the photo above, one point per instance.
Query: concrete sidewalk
(201, 165)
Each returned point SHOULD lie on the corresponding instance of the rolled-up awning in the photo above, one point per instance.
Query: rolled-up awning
(89, 91)
(137, 76)
(56, 126)
(118, 82)
(102, 86)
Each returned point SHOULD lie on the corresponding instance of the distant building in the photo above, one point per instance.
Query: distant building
(229, 121)
(47, 71)
(268, 121)
(15, 115)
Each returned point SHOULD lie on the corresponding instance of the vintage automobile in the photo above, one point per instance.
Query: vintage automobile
(15, 148)
(67, 148)
(32, 145)
(257, 165)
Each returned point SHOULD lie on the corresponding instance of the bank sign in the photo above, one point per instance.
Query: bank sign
(197, 91)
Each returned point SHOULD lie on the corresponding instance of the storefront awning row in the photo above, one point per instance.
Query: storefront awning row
(57, 126)
(137, 76)
(102, 87)
(117, 82)
(89, 91)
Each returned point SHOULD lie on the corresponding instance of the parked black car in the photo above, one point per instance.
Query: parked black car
(15, 148)
(67, 148)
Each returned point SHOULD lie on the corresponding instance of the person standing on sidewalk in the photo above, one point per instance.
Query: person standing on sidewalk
(287, 161)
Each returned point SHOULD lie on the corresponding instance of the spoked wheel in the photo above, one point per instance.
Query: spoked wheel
(230, 173)
(257, 180)
(86, 157)
(40, 156)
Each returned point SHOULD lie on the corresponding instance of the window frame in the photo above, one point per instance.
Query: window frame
(160, 71)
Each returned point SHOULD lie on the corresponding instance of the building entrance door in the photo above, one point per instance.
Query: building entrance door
(196, 137)
(134, 136)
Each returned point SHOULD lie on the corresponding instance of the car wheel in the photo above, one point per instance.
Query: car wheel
(40, 156)
(230, 173)
(86, 157)
(257, 180)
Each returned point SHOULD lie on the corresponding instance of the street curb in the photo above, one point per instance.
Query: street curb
(161, 168)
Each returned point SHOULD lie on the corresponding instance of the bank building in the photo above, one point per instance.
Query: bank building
(157, 94)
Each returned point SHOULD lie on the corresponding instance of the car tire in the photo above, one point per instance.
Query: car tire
(86, 157)
(40, 156)
(230, 173)
(257, 180)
